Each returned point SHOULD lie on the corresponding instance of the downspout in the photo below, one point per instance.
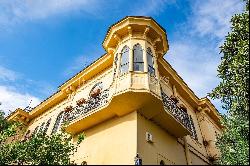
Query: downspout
(187, 154)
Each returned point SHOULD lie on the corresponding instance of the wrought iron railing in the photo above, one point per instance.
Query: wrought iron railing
(91, 104)
(178, 113)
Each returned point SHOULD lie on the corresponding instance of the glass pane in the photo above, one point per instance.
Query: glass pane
(138, 66)
(138, 58)
(124, 60)
(150, 61)
(138, 54)
(125, 55)
(58, 122)
(124, 68)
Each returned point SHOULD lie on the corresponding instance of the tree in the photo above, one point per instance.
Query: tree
(35, 149)
(233, 92)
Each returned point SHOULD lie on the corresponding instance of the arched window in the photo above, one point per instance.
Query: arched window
(151, 69)
(124, 60)
(35, 131)
(47, 126)
(58, 122)
(96, 89)
(138, 58)
(41, 128)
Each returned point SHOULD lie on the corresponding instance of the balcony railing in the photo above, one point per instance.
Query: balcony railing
(179, 114)
(91, 104)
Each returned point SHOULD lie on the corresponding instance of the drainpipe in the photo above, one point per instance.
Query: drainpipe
(187, 154)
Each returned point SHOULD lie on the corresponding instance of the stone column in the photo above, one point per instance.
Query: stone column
(145, 60)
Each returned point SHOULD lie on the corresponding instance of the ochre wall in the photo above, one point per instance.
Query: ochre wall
(196, 160)
(111, 142)
(164, 146)
(82, 92)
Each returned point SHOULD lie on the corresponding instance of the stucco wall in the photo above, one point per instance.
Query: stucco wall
(196, 160)
(164, 147)
(83, 92)
(111, 142)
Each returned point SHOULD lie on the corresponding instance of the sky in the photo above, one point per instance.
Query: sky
(45, 42)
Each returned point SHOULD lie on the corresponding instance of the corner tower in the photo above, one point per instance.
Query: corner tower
(139, 38)
(136, 45)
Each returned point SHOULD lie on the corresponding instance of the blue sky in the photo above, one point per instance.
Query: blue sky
(45, 42)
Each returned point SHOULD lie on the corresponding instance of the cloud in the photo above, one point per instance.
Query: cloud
(194, 53)
(17, 91)
(11, 99)
(16, 11)
(79, 63)
(7, 74)
(211, 17)
(196, 64)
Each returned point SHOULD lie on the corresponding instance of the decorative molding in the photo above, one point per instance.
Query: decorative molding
(117, 38)
(146, 32)
(130, 31)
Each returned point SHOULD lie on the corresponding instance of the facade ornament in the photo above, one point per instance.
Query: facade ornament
(155, 41)
(146, 32)
(117, 38)
(130, 31)
(70, 91)
(111, 50)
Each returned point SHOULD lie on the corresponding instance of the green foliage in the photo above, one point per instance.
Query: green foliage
(37, 149)
(233, 92)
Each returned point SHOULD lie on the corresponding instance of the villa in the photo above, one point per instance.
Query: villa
(131, 104)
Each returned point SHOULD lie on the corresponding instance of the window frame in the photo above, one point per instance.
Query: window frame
(58, 122)
(150, 56)
(124, 65)
(138, 58)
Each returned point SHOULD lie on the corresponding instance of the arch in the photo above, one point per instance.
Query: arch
(150, 60)
(35, 131)
(41, 128)
(58, 122)
(138, 58)
(47, 126)
(96, 89)
(124, 60)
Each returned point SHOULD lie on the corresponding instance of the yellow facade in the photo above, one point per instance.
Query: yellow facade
(131, 102)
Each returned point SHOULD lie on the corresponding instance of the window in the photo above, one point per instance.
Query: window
(58, 122)
(41, 128)
(27, 135)
(35, 131)
(124, 60)
(46, 126)
(151, 69)
(138, 58)
(96, 89)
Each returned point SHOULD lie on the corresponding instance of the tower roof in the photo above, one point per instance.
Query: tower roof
(137, 25)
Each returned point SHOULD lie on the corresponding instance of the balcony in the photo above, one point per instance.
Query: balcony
(92, 104)
(131, 92)
(179, 114)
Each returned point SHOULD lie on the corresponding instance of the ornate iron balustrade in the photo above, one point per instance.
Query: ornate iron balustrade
(91, 104)
(179, 114)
